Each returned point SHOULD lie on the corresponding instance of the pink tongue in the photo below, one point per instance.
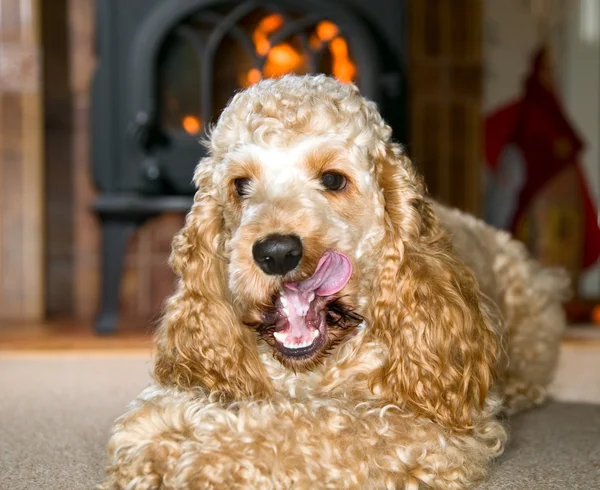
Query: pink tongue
(331, 275)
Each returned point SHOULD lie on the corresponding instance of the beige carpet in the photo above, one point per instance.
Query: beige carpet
(56, 412)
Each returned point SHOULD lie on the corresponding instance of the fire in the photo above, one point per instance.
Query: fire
(260, 36)
(326, 30)
(284, 58)
(254, 76)
(191, 124)
(343, 68)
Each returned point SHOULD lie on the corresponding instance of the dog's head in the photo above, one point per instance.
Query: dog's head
(309, 221)
(302, 215)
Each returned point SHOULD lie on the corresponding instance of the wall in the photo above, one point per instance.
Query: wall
(510, 36)
(146, 280)
(581, 89)
(85, 234)
(58, 185)
(445, 76)
(21, 147)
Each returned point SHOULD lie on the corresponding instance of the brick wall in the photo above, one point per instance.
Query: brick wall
(445, 75)
(74, 267)
(21, 162)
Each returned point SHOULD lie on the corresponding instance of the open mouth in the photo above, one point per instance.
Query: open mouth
(303, 310)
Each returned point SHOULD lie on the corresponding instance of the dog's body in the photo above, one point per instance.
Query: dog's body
(530, 299)
(367, 355)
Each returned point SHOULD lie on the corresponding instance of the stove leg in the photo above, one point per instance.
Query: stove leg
(115, 236)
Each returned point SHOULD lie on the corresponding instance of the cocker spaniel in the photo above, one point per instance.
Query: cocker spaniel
(333, 326)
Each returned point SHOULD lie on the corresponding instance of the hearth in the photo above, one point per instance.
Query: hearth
(168, 67)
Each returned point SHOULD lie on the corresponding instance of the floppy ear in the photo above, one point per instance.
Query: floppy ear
(427, 308)
(201, 342)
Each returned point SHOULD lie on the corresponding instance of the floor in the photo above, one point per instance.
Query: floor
(578, 375)
(577, 378)
(57, 409)
(70, 336)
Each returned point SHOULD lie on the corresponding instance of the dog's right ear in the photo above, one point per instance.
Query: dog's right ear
(427, 308)
(201, 342)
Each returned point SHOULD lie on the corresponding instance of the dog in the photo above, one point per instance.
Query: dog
(333, 327)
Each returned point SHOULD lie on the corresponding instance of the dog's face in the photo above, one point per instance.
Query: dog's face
(303, 221)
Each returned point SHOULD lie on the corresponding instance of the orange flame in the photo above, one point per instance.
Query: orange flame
(326, 30)
(343, 69)
(254, 76)
(284, 58)
(265, 27)
(191, 124)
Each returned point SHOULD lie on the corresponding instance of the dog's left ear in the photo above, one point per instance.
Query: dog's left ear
(201, 342)
(427, 308)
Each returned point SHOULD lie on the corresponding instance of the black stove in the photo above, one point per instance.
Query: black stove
(166, 68)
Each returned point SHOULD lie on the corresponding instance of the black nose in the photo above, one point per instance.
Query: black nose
(277, 254)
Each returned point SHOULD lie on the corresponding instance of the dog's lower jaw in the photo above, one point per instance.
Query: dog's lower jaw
(336, 322)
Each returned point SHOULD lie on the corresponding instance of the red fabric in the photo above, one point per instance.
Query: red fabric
(537, 124)
(498, 130)
(541, 124)
(591, 230)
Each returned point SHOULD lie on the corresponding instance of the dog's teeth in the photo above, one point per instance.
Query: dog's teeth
(286, 310)
(293, 346)
(282, 339)
(284, 301)
(311, 296)
(298, 346)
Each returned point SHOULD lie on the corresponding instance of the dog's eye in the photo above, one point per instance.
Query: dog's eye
(242, 186)
(333, 181)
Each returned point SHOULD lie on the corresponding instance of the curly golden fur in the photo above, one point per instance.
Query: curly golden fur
(406, 389)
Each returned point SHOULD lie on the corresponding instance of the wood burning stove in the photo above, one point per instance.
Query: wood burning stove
(168, 67)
